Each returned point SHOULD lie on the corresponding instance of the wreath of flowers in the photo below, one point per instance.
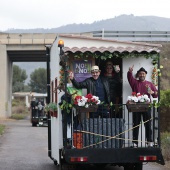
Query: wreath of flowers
(86, 101)
(62, 78)
(155, 75)
(138, 98)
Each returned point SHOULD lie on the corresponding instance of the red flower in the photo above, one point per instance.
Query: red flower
(75, 102)
(78, 97)
(133, 93)
(93, 100)
(89, 96)
(88, 100)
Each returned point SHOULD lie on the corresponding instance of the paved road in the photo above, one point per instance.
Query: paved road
(24, 147)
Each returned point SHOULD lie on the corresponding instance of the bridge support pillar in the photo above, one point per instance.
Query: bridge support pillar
(5, 83)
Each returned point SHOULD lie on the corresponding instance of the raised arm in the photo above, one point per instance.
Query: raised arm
(131, 68)
(76, 84)
(130, 77)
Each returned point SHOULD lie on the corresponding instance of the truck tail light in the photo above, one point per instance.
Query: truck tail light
(78, 159)
(148, 158)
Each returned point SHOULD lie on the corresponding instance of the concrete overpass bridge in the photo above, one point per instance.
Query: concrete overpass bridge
(18, 48)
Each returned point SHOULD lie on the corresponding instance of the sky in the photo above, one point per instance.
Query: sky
(27, 14)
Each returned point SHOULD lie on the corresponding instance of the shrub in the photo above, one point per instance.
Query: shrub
(164, 111)
(165, 98)
(18, 116)
(2, 127)
(15, 102)
(165, 142)
(19, 110)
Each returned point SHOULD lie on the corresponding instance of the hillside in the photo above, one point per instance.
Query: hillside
(118, 23)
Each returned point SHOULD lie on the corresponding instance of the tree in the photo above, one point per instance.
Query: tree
(38, 82)
(18, 80)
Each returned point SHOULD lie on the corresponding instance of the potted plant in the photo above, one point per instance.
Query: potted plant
(137, 102)
(88, 103)
(52, 108)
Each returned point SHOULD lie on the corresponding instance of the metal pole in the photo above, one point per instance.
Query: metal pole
(48, 98)
(64, 58)
(159, 138)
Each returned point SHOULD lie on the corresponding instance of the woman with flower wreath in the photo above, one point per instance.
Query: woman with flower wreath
(97, 86)
(144, 87)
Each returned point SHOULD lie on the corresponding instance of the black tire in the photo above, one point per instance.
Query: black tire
(135, 166)
(33, 124)
(66, 166)
(138, 166)
(62, 165)
(100, 166)
(55, 162)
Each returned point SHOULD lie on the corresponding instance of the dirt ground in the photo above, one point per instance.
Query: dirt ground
(167, 164)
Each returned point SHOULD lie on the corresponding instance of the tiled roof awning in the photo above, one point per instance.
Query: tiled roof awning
(112, 49)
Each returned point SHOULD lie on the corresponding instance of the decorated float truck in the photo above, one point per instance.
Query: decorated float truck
(76, 139)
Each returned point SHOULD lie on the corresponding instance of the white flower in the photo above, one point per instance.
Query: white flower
(80, 103)
(87, 100)
(135, 99)
(138, 98)
(141, 100)
(86, 106)
(98, 102)
(129, 98)
(95, 97)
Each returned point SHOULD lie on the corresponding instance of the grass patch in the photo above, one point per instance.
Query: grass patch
(165, 143)
(19, 110)
(18, 116)
(2, 127)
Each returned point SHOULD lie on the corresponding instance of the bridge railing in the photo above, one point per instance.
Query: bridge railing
(27, 38)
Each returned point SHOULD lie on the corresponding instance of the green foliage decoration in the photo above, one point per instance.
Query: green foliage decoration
(107, 55)
(66, 106)
(155, 104)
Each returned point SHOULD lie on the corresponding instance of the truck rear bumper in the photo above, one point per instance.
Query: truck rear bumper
(113, 156)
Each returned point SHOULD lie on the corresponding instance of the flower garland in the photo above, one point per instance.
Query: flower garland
(155, 75)
(62, 78)
(105, 55)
